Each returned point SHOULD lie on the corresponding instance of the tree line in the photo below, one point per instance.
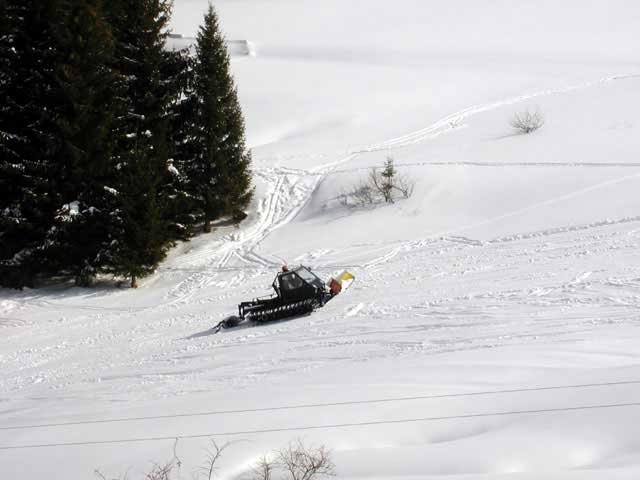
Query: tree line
(112, 147)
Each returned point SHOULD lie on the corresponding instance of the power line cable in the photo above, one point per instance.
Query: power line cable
(321, 427)
(319, 405)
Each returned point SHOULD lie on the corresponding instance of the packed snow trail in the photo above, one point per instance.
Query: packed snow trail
(289, 190)
(466, 308)
(532, 307)
(456, 120)
(522, 292)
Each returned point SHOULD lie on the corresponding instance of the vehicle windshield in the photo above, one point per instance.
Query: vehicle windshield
(306, 275)
(291, 281)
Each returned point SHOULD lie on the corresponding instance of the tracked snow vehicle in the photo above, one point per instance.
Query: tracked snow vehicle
(297, 292)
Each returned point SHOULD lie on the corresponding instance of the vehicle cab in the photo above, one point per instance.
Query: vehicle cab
(297, 284)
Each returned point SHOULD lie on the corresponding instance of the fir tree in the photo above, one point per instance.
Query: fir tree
(388, 175)
(7, 79)
(179, 204)
(111, 147)
(220, 169)
(6, 41)
(29, 140)
(9, 166)
(140, 236)
(141, 230)
(88, 89)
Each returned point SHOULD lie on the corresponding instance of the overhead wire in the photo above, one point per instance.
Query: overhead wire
(321, 405)
(320, 427)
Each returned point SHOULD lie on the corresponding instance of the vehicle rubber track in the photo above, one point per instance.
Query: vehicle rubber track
(269, 314)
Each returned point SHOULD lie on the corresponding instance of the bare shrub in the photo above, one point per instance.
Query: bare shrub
(160, 472)
(382, 185)
(363, 194)
(405, 186)
(527, 122)
(304, 463)
(263, 469)
(295, 462)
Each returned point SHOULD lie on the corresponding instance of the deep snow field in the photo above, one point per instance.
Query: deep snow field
(492, 331)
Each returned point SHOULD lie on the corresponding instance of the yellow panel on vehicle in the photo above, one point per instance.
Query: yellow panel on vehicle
(345, 279)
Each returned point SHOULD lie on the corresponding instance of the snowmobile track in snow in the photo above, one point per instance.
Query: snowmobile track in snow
(289, 190)
(456, 120)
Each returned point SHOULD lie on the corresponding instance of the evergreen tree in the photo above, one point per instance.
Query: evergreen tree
(7, 79)
(88, 88)
(111, 147)
(29, 140)
(6, 40)
(179, 204)
(140, 236)
(220, 168)
(9, 168)
(141, 230)
(388, 176)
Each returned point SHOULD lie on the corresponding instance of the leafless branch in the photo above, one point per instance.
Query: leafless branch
(263, 469)
(303, 463)
(176, 459)
(363, 194)
(405, 186)
(160, 472)
(213, 456)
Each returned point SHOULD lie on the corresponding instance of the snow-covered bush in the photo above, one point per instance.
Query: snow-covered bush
(527, 122)
(382, 185)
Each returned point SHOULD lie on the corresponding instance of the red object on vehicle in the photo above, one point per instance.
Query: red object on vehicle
(335, 286)
(285, 268)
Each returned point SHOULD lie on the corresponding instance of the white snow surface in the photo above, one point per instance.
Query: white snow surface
(513, 267)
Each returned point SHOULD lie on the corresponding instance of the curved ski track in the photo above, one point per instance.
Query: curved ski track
(456, 120)
(290, 189)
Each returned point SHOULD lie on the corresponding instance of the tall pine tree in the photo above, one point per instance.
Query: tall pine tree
(8, 195)
(88, 90)
(141, 230)
(29, 140)
(177, 203)
(219, 170)
(9, 163)
(111, 147)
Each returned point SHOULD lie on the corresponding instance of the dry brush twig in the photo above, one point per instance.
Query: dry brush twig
(303, 463)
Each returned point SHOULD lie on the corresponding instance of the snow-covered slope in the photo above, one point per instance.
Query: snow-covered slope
(513, 268)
